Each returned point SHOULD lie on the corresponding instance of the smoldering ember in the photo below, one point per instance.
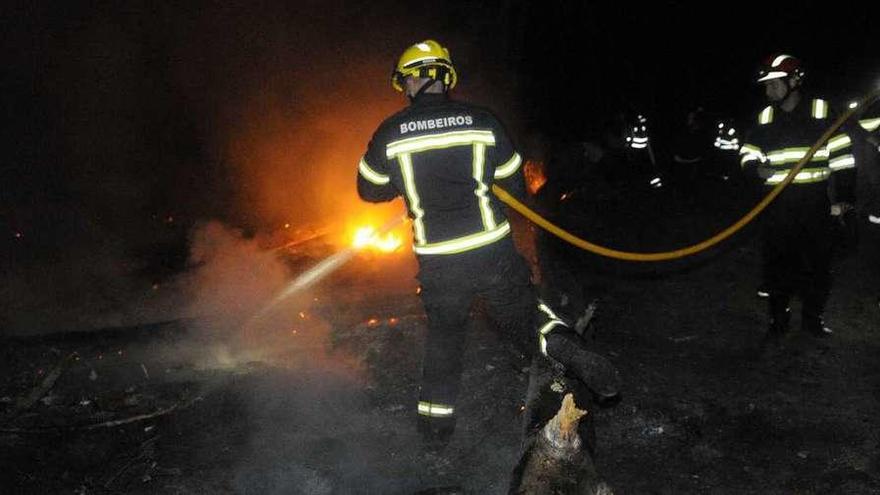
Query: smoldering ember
(451, 248)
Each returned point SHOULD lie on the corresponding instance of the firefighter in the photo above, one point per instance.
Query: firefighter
(443, 156)
(797, 233)
(692, 149)
(869, 193)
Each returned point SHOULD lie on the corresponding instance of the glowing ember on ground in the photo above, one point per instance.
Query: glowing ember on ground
(392, 321)
(372, 322)
(368, 238)
(302, 315)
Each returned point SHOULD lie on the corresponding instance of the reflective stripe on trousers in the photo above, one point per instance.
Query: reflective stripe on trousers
(494, 274)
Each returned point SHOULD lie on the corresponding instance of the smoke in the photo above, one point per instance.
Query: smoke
(233, 279)
(317, 432)
(313, 426)
(184, 138)
(148, 121)
(293, 94)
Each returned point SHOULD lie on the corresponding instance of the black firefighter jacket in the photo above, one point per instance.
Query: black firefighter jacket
(443, 156)
(781, 139)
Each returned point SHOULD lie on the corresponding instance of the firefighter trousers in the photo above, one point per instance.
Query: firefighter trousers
(870, 249)
(797, 245)
(497, 276)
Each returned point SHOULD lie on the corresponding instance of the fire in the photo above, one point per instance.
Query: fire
(535, 176)
(368, 238)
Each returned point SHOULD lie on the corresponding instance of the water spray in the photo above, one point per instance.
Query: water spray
(325, 268)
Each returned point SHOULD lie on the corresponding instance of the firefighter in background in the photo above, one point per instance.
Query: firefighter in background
(692, 148)
(797, 233)
(443, 156)
(869, 193)
(727, 149)
(638, 143)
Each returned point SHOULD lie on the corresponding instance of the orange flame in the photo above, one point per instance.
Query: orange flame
(535, 176)
(368, 238)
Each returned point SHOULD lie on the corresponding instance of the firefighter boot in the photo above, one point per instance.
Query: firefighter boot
(596, 372)
(814, 324)
(811, 314)
(780, 315)
(435, 432)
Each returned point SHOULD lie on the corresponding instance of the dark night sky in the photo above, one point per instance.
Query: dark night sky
(119, 111)
(667, 55)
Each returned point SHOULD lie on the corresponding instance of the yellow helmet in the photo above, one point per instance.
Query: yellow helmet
(426, 59)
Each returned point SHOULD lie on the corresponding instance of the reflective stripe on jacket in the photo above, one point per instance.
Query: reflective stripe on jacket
(442, 156)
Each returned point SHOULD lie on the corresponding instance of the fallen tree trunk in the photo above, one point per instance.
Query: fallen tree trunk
(558, 449)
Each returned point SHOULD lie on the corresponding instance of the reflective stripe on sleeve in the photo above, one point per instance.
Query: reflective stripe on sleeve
(508, 168)
(749, 152)
(371, 175)
(870, 124)
(805, 176)
(842, 162)
(794, 155)
(839, 142)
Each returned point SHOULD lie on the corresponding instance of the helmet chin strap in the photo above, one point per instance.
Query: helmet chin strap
(424, 88)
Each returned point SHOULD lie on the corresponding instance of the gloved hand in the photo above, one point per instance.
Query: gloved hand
(764, 171)
(846, 221)
(840, 209)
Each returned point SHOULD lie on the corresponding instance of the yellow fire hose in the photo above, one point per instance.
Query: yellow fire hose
(542, 222)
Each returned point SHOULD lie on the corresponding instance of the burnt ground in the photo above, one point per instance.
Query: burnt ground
(329, 409)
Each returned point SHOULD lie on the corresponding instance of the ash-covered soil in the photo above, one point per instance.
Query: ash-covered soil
(324, 403)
